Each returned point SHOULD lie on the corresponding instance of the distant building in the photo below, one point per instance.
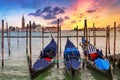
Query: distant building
(38, 28)
(12, 29)
(35, 27)
(50, 29)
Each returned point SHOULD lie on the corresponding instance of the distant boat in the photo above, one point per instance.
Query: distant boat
(45, 60)
(71, 58)
(96, 61)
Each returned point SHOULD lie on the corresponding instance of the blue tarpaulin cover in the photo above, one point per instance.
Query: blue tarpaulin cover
(102, 64)
(70, 49)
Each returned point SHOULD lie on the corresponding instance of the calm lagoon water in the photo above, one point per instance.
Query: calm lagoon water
(16, 67)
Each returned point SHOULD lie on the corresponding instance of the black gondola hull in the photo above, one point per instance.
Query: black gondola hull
(105, 73)
(36, 73)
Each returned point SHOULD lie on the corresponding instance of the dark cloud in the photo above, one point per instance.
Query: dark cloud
(55, 21)
(63, 7)
(37, 13)
(58, 10)
(66, 17)
(49, 16)
(48, 12)
(91, 11)
(74, 21)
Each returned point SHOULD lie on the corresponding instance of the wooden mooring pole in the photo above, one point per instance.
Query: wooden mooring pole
(58, 43)
(77, 36)
(86, 31)
(114, 49)
(8, 38)
(85, 36)
(94, 35)
(27, 40)
(109, 40)
(89, 35)
(42, 37)
(18, 36)
(2, 43)
(28, 58)
(106, 47)
(30, 43)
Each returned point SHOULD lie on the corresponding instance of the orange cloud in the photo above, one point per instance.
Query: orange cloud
(97, 11)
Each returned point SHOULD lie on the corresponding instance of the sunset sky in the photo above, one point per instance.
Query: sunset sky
(70, 12)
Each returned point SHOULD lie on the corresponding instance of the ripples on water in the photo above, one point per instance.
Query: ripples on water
(16, 65)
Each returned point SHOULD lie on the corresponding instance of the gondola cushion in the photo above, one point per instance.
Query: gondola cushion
(47, 59)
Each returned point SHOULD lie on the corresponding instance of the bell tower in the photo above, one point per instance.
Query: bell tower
(23, 22)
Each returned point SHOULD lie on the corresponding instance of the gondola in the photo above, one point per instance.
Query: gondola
(45, 60)
(95, 60)
(71, 58)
